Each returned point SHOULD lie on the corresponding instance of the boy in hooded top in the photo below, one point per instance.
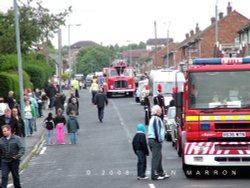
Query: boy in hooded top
(141, 150)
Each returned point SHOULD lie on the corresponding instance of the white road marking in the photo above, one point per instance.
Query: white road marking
(125, 128)
(43, 150)
(151, 185)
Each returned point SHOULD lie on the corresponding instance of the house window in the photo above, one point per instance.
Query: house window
(248, 37)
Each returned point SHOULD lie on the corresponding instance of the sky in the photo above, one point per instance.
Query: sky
(110, 22)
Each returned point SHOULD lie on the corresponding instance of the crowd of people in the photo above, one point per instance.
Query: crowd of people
(14, 128)
(65, 117)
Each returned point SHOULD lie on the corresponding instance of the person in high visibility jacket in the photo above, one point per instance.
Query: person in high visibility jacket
(76, 86)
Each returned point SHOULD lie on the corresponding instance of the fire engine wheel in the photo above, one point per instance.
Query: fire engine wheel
(109, 95)
(137, 99)
(173, 143)
(131, 94)
(179, 148)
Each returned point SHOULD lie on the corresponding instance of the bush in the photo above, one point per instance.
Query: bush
(37, 75)
(9, 81)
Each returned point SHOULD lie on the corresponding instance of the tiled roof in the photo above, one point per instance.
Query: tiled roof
(83, 44)
(158, 41)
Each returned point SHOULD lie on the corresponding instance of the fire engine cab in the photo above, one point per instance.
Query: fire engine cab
(119, 79)
(213, 115)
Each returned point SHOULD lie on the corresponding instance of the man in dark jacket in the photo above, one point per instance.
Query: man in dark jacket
(59, 101)
(100, 101)
(159, 100)
(140, 148)
(11, 149)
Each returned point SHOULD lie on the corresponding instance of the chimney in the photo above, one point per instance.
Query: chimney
(229, 8)
(197, 29)
(191, 32)
(220, 15)
(187, 35)
(212, 20)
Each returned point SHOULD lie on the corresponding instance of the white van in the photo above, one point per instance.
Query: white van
(169, 79)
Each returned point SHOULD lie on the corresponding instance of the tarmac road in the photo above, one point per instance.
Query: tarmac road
(103, 156)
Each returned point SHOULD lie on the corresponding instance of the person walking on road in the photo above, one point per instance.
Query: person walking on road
(72, 127)
(49, 124)
(12, 149)
(100, 101)
(140, 148)
(60, 122)
(156, 135)
(94, 88)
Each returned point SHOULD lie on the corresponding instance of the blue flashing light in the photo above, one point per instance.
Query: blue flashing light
(207, 61)
(246, 60)
(205, 127)
(220, 61)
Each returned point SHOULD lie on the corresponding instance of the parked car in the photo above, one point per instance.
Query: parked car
(140, 89)
(171, 126)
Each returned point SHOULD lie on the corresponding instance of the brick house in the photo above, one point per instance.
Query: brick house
(244, 36)
(201, 44)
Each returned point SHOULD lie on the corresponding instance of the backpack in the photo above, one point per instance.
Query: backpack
(49, 124)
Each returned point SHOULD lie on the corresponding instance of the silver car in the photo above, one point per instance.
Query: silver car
(171, 126)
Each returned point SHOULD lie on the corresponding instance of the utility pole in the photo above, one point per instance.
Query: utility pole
(19, 56)
(169, 23)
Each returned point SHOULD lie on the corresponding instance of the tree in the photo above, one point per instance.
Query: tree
(37, 25)
(94, 59)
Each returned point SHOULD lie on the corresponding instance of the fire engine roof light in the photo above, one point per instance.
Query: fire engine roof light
(220, 61)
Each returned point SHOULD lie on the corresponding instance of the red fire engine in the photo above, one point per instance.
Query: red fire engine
(119, 79)
(214, 116)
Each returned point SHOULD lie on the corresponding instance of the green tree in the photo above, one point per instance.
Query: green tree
(94, 59)
(36, 23)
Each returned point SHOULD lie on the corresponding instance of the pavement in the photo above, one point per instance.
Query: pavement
(34, 144)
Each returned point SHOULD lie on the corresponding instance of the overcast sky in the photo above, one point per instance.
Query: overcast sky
(120, 21)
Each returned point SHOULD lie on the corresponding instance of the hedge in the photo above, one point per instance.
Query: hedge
(9, 81)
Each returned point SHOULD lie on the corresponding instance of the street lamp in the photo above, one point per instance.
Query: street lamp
(19, 57)
(69, 59)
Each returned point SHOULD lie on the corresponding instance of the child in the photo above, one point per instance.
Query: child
(72, 126)
(141, 150)
(59, 121)
(49, 124)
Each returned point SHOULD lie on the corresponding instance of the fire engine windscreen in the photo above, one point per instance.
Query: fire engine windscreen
(167, 87)
(120, 72)
(219, 89)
